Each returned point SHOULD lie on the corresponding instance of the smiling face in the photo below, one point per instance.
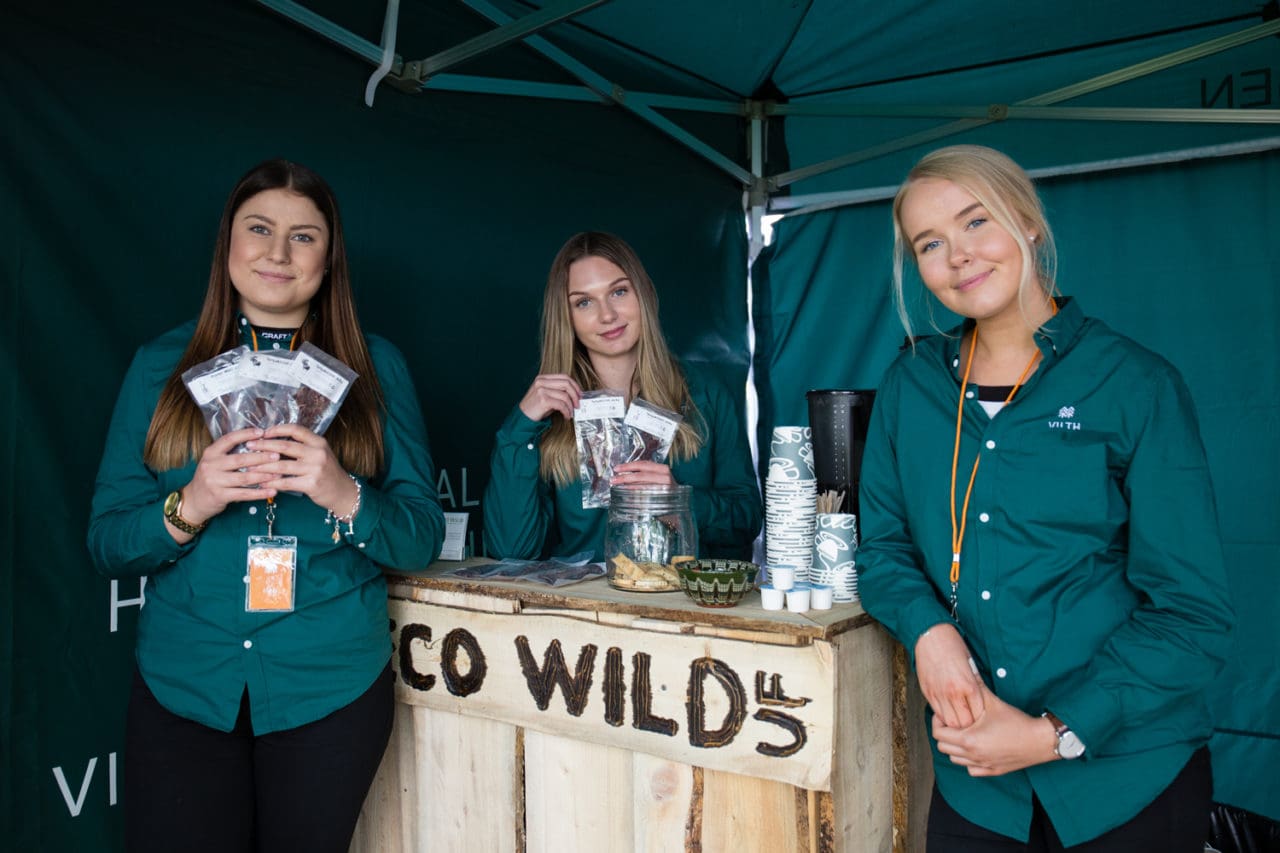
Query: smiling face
(604, 309)
(278, 252)
(969, 261)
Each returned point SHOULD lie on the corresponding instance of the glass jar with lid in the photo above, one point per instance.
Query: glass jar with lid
(650, 529)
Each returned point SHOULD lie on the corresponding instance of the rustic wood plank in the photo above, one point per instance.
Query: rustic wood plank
(578, 796)
(763, 710)
(862, 775)
(597, 594)
(912, 759)
(750, 636)
(466, 798)
(746, 815)
(663, 803)
(824, 822)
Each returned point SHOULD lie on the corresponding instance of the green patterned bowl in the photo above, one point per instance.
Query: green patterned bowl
(717, 583)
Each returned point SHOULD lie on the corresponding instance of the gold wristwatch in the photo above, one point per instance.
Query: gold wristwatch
(173, 512)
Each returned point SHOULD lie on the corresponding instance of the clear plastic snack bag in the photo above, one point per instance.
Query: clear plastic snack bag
(222, 391)
(323, 383)
(243, 388)
(652, 429)
(603, 442)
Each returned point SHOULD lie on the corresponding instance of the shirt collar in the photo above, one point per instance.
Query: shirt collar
(264, 337)
(1054, 338)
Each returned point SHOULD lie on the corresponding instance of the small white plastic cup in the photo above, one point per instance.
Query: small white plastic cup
(798, 599)
(782, 577)
(771, 598)
(821, 596)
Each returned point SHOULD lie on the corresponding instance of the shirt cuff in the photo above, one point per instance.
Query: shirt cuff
(518, 428)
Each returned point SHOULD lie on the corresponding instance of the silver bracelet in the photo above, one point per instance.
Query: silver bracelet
(350, 518)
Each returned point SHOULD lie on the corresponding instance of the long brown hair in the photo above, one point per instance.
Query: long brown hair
(658, 377)
(178, 433)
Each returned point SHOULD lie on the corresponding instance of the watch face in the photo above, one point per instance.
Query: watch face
(1069, 746)
(171, 503)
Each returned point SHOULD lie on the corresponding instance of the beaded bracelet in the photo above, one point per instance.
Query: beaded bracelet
(350, 518)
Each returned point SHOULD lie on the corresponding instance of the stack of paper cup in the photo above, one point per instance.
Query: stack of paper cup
(834, 544)
(790, 501)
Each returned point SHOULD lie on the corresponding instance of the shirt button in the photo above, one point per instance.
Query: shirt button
(253, 510)
(246, 578)
(1001, 672)
(986, 595)
(529, 445)
(991, 445)
(244, 322)
(360, 545)
(969, 394)
(248, 644)
(984, 518)
(955, 362)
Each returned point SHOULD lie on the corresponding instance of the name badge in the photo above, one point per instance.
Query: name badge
(268, 580)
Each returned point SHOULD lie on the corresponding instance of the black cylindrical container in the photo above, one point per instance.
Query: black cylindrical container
(839, 421)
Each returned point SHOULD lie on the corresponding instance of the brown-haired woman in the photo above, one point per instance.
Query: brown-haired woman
(600, 330)
(249, 728)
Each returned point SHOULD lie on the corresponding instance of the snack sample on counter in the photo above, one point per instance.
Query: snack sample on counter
(627, 574)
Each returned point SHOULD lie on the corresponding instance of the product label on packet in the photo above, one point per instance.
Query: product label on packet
(217, 383)
(316, 376)
(598, 408)
(651, 422)
(271, 367)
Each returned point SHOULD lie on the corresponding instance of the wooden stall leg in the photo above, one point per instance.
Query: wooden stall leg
(862, 769)
(912, 759)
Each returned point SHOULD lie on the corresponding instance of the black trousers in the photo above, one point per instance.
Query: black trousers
(192, 788)
(1177, 821)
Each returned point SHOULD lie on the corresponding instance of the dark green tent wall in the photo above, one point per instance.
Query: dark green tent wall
(124, 132)
(125, 127)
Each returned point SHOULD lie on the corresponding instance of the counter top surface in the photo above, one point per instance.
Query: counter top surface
(596, 595)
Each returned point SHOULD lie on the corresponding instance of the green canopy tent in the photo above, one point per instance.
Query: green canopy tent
(500, 127)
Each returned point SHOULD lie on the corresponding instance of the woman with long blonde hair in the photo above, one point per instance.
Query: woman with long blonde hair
(600, 331)
(262, 696)
(1039, 531)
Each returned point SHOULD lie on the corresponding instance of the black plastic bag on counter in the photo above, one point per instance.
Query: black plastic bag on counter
(1233, 830)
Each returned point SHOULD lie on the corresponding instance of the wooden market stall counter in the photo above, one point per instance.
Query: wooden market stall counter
(584, 718)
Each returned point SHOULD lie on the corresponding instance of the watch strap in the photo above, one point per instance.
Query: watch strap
(173, 512)
(1066, 738)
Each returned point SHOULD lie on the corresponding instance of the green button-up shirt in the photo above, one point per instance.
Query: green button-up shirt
(525, 517)
(197, 647)
(1091, 580)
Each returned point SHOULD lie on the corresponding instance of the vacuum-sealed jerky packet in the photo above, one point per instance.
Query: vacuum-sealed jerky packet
(274, 387)
(653, 428)
(323, 383)
(222, 391)
(600, 428)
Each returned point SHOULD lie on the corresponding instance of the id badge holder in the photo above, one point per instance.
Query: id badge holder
(269, 576)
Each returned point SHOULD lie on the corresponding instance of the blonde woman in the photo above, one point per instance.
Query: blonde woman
(600, 330)
(1040, 533)
(261, 729)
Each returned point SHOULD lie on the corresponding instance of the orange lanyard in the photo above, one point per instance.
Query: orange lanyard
(957, 530)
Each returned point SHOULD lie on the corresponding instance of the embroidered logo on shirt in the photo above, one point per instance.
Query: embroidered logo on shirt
(1065, 415)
